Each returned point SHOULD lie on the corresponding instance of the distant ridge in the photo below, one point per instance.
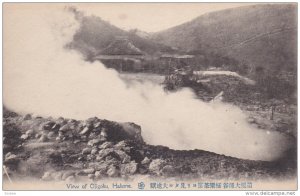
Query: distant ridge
(96, 36)
(262, 35)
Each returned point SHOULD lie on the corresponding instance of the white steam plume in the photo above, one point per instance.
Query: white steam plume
(44, 78)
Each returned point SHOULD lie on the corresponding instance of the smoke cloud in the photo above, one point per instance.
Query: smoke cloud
(41, 76)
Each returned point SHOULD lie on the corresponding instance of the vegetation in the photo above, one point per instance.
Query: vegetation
(260, 35)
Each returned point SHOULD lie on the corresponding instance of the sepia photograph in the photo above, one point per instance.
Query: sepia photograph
(149, 96)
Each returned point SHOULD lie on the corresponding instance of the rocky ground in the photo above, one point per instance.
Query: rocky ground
(70, 150)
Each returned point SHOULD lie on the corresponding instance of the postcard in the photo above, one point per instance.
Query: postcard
(150, 96)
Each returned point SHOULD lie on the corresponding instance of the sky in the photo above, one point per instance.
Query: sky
(152, 17)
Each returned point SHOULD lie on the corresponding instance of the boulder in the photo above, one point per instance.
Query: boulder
(120, 145)
(102, 166)
(8, 154)
(106, 145)
(72, 121)
(30, 132)
(89, 171)
(27, 117)
(81, 158)
(94, 151)
(142, 169)
(168, 171)
(112, 160)
(69, 134)
(72, 126)
(64, 128)
(101, 171)
(51, 134)
(133, 131)
(47, 176)
(123, 145)
(83, 138)
(103, 133)
(84, 131)
(97, 125)
(76, 141)
(114, 131)
(124, 158)
(104, 152)
(9, 157)
(90, 157)
(94, 142)
(90, 143)
(61, 134)
(43, 138)
(58, 138)
(48, 125)
(66, 174)
(98, 174)
(70, 179)
(129, 168)
(55, 127)
(57, 176)
(91, 121)
(145, 161)
(86, 151)
(113, 171)
(24, 137)
(37, 135)
(61, 121)
(156, 165)
(99, 158)
(93, 135)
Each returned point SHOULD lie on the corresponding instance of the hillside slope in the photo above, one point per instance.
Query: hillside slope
(95, 35)
(263, 35)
